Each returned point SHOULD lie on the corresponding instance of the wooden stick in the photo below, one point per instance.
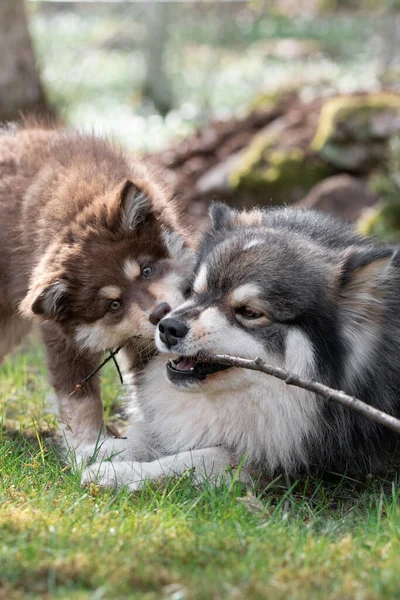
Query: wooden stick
(311, 385)
(111, 356)
(121, 379)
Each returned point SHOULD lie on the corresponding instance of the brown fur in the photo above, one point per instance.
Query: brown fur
(74, 210)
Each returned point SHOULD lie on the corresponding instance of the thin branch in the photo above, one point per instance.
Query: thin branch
(121, 379)
(111, 356)
(311, 385)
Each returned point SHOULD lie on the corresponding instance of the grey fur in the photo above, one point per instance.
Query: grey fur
(330, 309)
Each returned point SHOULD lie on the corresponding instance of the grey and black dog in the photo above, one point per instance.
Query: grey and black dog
(302, 291)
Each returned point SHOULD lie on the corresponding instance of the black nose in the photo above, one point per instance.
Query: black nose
(159, 313)
(171, 331)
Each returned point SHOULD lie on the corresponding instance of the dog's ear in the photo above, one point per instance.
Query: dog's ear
(362, 299)
(363, 271)
(48, 301)
(222, 217)
(135, 206)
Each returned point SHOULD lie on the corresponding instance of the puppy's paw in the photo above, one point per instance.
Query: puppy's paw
(115, 475)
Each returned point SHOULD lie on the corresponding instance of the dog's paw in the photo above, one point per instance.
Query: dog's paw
(115, 475)
(107, 449)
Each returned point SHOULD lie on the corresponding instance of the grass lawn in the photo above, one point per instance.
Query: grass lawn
(57, 540)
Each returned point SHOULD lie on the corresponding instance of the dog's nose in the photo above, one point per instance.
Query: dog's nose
(159, 313)
(171, 331)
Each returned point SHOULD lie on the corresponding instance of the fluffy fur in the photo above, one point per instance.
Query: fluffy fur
(302, 291)
(91, 245)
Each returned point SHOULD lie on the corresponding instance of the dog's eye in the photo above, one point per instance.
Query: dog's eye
(248, 313)
(147, 271)
(114, 306)
(187, 291)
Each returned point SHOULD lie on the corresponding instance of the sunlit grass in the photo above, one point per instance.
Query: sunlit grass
(338, 539)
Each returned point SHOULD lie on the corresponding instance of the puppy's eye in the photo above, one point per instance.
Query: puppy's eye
(248, 313)
(147, 271)
(114, 306)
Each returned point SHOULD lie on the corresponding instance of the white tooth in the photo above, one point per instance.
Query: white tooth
(192, 368)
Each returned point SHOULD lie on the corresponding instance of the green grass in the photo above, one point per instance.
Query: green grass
(316, 540)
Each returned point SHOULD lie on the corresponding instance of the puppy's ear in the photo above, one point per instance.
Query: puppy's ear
(49, 301)
(363, 273)
(135, 206)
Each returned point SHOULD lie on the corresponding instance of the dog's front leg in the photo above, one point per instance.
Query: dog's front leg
(82, 412)
(209, 464)
(135, 446)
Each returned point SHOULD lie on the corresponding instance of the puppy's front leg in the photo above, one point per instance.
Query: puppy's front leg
(82, 412)
(209, 464)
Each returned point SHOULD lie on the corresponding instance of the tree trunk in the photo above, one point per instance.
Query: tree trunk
(157, 87)
(20, 87)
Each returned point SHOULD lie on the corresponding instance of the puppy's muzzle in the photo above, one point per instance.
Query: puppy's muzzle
(172, 331)
(159, 313)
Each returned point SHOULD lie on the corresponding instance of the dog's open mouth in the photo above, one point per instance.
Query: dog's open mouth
(186, 369)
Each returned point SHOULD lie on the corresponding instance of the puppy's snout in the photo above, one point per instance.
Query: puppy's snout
(171, 331)
(159, 313)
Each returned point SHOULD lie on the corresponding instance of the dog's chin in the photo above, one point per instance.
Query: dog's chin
(192, 371)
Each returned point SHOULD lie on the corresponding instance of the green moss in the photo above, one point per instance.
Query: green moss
(277, 173)
(359, 109)
(348, 138)
(268, 100)
(383, 220)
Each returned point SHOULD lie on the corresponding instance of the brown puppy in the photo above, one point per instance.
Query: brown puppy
(91, 246)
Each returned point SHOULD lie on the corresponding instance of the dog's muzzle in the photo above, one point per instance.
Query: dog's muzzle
(172, 331)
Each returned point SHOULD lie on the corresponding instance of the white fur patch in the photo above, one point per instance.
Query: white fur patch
(187, 305)
(112, 292)
(209, 464)
(100, 335)
(90, 336)
(245, 292)
(253, 244)
(131, 269)
(361, 340)
(299, 356)
(219, 337)
(200, 283)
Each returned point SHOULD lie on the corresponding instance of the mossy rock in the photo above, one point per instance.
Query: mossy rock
(280, 175)
(269, 100)
(382, 221)
(316, 140)
(353, 131)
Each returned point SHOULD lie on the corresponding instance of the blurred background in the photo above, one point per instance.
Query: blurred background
(268, 102)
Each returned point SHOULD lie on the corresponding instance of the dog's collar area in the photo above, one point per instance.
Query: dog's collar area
(186, 368)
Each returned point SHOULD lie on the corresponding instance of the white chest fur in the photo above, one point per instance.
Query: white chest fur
(251, 413)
